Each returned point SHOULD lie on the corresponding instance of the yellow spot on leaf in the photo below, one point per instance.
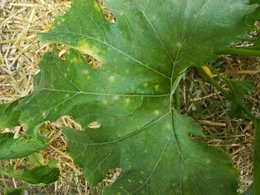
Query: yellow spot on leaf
(127, 101)
(105, 102)
(111, 78)
(116, 97)
(89, 49)
(157, 112)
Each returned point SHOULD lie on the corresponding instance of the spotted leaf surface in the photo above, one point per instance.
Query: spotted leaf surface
(161, 39)
(140, 133)
(125, 105)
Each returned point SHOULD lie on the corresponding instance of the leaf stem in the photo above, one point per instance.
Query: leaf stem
(249, 114)
(175, 87)
(241, 52)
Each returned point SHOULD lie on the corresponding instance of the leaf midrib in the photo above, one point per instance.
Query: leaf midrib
(101, 94)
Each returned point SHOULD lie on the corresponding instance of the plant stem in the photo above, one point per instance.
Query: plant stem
(177, 99)
(213, 82)
(223, 91)
(250, 115)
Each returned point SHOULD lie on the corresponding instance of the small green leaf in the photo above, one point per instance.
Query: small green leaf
(238, 91)
(36, 159)
(37, 175)
(9, 116)
(11, 148)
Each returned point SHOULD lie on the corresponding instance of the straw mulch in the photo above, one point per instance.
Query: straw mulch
(20, 53)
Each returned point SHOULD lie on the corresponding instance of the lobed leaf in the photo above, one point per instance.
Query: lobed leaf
(161, 40)
(129, 128)
(125, 107)
(160, 153)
